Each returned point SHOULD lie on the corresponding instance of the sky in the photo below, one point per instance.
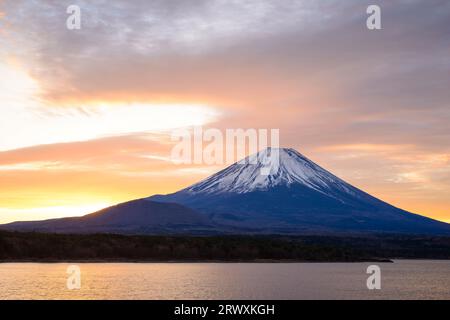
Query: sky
(86, 115)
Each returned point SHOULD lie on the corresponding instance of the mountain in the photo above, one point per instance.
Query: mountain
(296, 196)
(133, 217)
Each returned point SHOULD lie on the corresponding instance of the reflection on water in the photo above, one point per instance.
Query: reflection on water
(404, 279)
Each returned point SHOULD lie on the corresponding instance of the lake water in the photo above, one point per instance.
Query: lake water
(404, 279)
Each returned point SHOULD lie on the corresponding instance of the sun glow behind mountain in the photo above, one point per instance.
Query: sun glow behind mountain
(11, 214)
(29, 124)
(86, 115)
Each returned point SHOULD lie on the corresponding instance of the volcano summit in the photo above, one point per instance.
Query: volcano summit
(297, 196)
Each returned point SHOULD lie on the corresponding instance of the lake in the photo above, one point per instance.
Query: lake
(403, 279)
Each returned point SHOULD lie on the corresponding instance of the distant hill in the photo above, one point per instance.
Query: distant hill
(133, 217)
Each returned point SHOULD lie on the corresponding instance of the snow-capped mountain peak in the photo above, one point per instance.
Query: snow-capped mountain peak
(295, 196)
(269, 168)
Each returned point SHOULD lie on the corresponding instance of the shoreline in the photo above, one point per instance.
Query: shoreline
(268, 261)
(104, 248)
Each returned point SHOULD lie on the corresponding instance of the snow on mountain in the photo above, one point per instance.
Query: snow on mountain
(291, 167)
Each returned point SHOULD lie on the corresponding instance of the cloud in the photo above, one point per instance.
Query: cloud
(348, 97)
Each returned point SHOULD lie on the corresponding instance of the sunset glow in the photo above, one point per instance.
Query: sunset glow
(86, 116)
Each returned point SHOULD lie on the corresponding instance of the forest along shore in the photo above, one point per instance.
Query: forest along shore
(42, 247)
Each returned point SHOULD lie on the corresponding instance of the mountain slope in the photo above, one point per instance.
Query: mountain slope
(297, 196)
(133, 217)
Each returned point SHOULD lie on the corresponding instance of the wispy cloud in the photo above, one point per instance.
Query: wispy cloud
(371, 106)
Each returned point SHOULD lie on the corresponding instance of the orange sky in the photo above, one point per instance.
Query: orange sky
(86, 115)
